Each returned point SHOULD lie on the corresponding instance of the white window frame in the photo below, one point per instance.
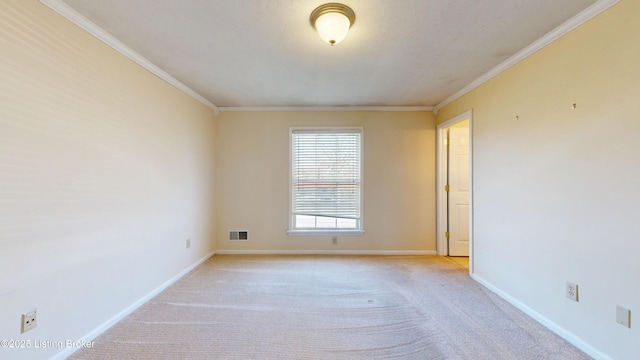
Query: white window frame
(360, 230)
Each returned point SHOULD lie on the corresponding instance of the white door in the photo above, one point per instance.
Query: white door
(458, 204)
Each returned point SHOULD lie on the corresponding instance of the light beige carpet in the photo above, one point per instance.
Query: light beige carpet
(328, 307)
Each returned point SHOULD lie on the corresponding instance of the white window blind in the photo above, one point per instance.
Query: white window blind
(325, 172)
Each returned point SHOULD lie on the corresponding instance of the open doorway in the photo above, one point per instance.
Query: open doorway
(454, 188)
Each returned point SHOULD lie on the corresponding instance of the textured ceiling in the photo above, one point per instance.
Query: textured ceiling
(258, 53)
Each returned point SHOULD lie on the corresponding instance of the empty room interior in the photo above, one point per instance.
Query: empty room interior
(145, 142)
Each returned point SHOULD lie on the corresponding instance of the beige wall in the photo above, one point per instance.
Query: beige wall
(556, 192)
(252, 192)
(105, 171)
(462, 124)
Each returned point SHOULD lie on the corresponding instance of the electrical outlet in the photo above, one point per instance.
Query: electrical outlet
(188, 243)
(572, 291)
(623, 316)
(334, 240)
(29, 321)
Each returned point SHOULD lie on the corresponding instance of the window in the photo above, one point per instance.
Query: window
(326, 180)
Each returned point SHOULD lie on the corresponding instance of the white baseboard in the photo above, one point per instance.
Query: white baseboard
(326, 252)
(560, 331)
(131, 308)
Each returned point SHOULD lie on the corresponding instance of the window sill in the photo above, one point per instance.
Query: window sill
(325, 232)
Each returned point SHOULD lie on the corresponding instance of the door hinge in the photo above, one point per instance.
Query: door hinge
(447, 234)
(446, 188)
(447, 141)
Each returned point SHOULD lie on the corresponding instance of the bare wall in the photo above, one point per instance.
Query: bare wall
(252, 188)
(105, 171)
(556, 189)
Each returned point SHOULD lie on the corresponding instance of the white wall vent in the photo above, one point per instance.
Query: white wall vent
(238, 235)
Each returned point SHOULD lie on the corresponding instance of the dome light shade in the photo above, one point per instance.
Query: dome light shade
(332, 21)
(332, 27)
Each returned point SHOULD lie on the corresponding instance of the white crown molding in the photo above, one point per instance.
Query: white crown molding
(328, 252)
(550, 37)
(325, 108)
(70, 14)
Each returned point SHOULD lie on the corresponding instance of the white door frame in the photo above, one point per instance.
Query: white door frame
(441, 195)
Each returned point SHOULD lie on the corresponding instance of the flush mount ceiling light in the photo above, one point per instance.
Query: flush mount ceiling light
(332, 21)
